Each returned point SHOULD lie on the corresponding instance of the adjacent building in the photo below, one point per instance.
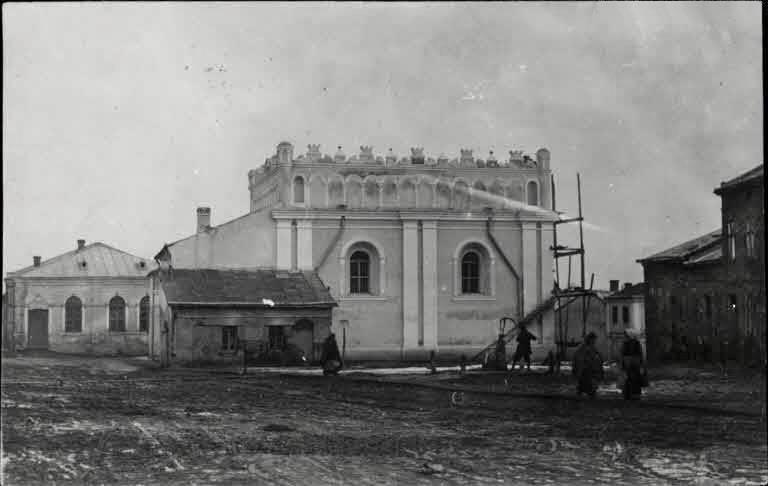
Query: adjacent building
(624, 310)
(93, 299)
(416, 254)
(705, 298)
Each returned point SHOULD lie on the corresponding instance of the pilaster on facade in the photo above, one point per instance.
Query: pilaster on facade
(430, 283)
(531, 265)
(304, 244)
(410, 286)
(284, 244)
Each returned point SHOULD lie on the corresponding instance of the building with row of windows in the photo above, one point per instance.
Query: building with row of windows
(705, 298)
(94, 299)
(397, 256)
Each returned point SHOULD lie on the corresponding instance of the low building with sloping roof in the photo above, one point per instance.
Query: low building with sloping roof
(624, 310)
(206, 315)
(705, 298)
(93, 299)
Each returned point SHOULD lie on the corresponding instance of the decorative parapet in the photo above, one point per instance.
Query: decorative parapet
(517, 158)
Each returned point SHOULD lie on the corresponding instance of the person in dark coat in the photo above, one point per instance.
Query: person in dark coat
(588, 366)
(523, 351)
(632, 364)
(331, 358)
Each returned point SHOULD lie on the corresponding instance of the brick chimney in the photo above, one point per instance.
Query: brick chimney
(614, 285)
(627, 285)
(203, 219)
(36, 261)
(80, 244)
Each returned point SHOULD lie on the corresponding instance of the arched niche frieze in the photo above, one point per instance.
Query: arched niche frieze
(354, 192)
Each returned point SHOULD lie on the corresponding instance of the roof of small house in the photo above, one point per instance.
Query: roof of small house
(94, 260)
(698, 250)
(246, 287)
(628, 292)
(747, 177)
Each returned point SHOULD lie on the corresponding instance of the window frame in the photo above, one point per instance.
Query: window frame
(229, 333)
(731, 240)
(144, 313)
(360, 284)
(471, 283)
(536, 193)
(625, 315)
(69, 319)
(113, 317)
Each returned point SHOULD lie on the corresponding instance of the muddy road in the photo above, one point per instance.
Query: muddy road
(78, 421)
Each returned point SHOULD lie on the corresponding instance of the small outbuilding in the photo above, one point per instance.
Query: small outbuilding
(206, 315)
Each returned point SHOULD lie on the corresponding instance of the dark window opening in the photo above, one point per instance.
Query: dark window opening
(228, 338)
(73, 315)
(359, 273)
(117, 314)
(708, 306)
(276, 337)
(144, 314)
(614, 315)
(470, 273)
(625, 314)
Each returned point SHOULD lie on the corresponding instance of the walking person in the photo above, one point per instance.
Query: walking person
(331, 357)
(632, 364)
(588, 366)
(523, 351)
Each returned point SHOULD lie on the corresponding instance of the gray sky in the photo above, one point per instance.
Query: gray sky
(119, 119)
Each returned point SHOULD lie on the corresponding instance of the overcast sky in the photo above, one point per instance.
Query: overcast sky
(120, 119)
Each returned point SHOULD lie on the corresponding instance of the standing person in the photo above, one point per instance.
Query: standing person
(632, 364)
(588, 366)
(523, 351)
(331, 358)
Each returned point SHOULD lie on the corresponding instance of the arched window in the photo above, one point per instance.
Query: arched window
(470, 273)
(533, 193)
(117, 314)
(298, 190)
(360, 273)
(73, 315)
(144, 314)
(474, 270)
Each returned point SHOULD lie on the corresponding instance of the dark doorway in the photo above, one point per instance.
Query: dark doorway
(38, 329)
(276, 338)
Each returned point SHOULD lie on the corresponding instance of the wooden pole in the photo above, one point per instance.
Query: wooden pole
(581, 230)
(554, 208)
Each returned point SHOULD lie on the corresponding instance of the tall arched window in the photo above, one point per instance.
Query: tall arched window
(359, 273)
(470, 273)
(533, 193)
(298, 190)
(73, 315)
(473, 270)
(144, 314)
(117, 314)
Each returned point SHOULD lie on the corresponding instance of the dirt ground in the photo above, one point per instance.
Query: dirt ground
(75, 420)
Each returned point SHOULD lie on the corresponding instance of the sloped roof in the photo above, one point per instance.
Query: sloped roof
(749, 176)
(692, 249)
(100, 260)
(246, 287)
(635, 290)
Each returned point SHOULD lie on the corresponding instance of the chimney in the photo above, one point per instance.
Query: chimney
(36, 261)
(203, 219)
(80, 244)
(614, 285)
(627, 285)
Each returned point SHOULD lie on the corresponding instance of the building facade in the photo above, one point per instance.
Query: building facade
(420, 254)
(705, 298)
(624, 310)
(94, 299)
